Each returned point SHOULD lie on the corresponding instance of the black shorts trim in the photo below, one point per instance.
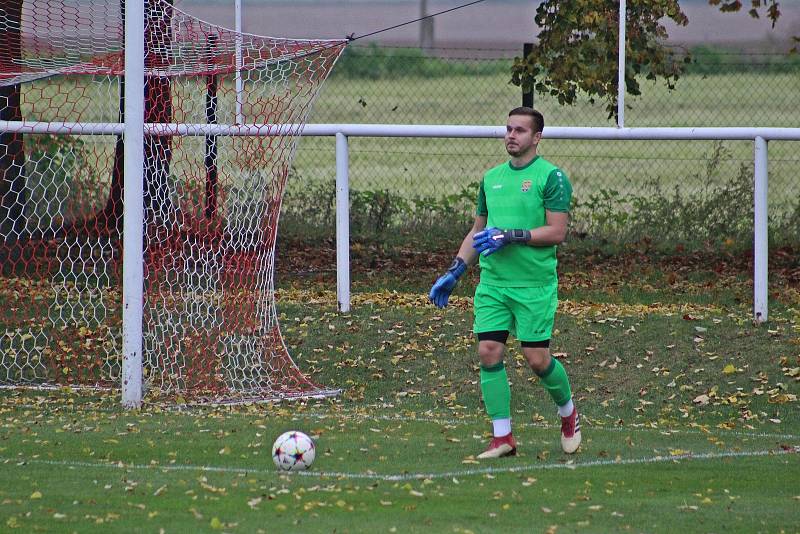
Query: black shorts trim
(501, 336)
(544, 344)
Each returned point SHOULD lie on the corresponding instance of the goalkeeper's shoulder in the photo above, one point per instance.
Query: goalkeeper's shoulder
(497, 168)
(551, 168)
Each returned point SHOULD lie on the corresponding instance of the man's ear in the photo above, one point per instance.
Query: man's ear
(537, 137)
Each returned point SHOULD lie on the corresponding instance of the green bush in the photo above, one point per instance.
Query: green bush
(717, 211)
(375, 63)
(53, 168)
(715, 60)
(310, 211)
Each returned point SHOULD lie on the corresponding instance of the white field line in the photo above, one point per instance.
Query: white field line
(341, 475)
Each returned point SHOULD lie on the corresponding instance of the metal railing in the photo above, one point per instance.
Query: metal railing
(759, 136)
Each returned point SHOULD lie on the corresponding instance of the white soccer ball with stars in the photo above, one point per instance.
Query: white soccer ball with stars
(293, 451)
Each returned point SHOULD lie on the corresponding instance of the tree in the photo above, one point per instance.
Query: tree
(577, 47)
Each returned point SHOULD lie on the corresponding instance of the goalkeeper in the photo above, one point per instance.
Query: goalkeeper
(522, 214)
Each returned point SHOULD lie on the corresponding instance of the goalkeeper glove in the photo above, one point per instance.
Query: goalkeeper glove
(440, 292)
(492, 239)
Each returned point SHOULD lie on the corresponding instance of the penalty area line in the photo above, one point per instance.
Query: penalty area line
(341, 475)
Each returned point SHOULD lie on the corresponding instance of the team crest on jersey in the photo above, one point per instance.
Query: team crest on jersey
(526, 185)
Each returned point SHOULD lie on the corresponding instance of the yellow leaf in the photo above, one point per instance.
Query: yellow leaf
(216, 524)
(729, 369)
(36, 495)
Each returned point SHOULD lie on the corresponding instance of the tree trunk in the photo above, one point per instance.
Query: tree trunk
(157, 150)
(12, 153)
(157, 108)
(211, 140)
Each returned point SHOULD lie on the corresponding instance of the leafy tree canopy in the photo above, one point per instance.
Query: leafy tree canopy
(577, 47)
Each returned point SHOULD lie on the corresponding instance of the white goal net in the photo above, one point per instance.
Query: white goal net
(211, 200)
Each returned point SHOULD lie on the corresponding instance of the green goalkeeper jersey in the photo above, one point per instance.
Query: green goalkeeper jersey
(510, 198)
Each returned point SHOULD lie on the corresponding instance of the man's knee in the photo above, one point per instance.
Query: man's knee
(538, 357)
(490, 352)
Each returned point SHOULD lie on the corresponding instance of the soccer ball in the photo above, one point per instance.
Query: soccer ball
(293, 451)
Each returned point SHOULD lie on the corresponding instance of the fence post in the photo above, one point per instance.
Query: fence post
(760, 231)
(527, 96)
(621, 65)
(425, 29)
(342, 223)
(237, 15)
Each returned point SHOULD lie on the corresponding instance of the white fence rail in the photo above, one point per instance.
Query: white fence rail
(736, 133)
(759, 136)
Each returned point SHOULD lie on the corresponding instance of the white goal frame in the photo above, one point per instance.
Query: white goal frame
(133, 210)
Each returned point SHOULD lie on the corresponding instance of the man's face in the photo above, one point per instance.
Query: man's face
(520, 139)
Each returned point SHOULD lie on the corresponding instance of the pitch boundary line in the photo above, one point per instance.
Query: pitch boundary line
(21, 462)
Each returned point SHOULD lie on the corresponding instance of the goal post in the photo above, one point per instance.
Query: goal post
(133, 205)
(142, 168)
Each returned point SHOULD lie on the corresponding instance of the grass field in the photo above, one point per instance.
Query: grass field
(690, 418)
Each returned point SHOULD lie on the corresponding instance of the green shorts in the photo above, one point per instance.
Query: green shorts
(526, 312)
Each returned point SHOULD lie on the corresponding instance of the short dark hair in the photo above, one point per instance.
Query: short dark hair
(538, 118)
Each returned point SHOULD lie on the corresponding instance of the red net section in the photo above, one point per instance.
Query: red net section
(211, 202)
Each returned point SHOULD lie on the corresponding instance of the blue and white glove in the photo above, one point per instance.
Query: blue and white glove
(440, 292)
(492, 239)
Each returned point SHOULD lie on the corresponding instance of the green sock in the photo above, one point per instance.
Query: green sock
(555, 381)
(496, 391)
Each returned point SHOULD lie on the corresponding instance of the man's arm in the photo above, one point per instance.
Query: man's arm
(440, 292)
(554, 230)
(466, 252)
